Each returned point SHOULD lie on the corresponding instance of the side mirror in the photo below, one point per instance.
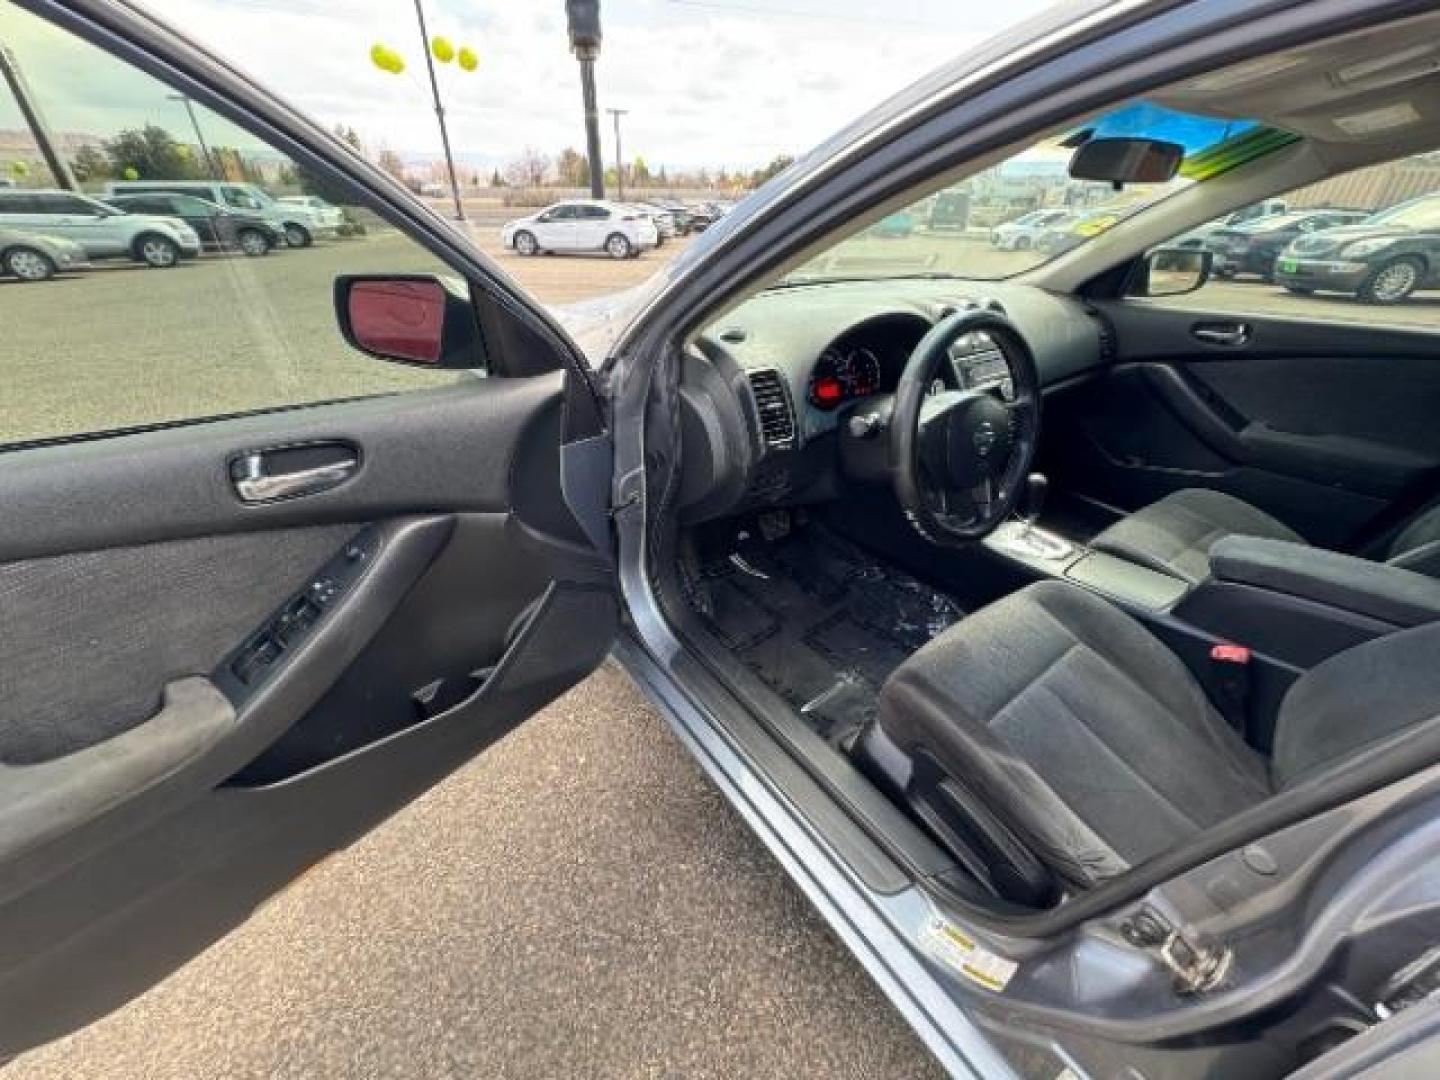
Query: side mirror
(1170, 272)
(419, 319)
(1127, 161)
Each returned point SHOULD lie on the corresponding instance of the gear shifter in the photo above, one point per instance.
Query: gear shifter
(1024, 537)
(1033, 502)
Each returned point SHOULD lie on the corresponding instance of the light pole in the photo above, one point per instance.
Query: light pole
(25, 100)
(619, 158)
(200, 138)
(439, 112)
(583, 17)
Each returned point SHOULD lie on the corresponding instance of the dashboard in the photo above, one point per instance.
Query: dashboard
(766, 392)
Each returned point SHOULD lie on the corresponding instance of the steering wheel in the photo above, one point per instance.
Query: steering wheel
(959, 458)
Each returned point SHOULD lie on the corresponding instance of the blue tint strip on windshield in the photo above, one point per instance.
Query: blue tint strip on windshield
(1143, 120)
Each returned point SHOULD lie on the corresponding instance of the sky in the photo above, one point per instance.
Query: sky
(726, 83)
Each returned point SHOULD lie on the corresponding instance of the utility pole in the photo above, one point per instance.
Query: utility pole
(39, 130)
(583, 17)
(439, 111)
(210, 164)
(619, 158)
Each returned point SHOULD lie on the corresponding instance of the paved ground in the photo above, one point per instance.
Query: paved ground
(578, 902)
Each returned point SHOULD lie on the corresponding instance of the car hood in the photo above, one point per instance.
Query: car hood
(1327, 241)
(594, 324)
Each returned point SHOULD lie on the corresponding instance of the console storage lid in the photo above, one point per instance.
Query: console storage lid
(1375, 590)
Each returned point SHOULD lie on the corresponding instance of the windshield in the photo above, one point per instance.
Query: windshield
(1416, 215)
(1027, 209)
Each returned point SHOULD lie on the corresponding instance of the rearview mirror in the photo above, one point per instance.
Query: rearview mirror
(1127, 161)
(1170, 272)
(420, 319)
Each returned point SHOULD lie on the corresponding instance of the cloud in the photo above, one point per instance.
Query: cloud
(706, 82)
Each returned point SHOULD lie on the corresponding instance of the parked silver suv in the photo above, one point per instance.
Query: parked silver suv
(102, 230)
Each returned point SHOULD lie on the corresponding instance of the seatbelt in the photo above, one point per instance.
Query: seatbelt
(1230, 677)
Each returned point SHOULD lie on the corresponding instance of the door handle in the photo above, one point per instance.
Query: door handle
(256, 481)
(1231, 334)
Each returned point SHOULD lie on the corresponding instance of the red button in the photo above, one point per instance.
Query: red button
(1230, 654)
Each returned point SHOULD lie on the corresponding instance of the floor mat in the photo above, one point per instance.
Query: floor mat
(819, 621)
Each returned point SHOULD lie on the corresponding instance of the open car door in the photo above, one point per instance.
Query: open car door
(241, 621)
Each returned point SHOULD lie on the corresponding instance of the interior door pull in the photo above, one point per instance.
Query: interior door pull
(256, 482)
(1221, 333)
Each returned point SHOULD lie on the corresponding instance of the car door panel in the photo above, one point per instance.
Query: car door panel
(152, 794)
(1324, 425)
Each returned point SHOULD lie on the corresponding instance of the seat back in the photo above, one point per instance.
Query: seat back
(1358, 701)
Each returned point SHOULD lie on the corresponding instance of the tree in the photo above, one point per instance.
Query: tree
(153, 153)
(496, 180)
(391, 163)
(778, 164)
(90, 165)
(572, 168)
(530, 169)
(640, 172)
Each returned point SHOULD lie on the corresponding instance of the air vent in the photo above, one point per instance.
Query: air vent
(772, 400)
(1108, 350)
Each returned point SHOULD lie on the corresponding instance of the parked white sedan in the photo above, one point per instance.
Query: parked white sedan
(620, 231)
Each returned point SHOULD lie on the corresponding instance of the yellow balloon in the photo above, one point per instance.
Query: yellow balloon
(468, 60)
(386, 58)
(441, 49)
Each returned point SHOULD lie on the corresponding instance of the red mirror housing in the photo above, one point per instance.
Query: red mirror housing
(419, 319)
(401, 319)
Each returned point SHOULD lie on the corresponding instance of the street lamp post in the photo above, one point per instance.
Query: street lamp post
(439, 112)
(619, 157)
(199, 137)
(25, 100)
(583, 17)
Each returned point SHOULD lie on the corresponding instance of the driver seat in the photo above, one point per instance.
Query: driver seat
(1052, 742)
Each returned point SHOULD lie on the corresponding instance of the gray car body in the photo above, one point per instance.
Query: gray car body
(65, 254)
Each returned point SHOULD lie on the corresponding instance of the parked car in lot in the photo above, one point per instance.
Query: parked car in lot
(1253, 247)
(895, 226)
(37, 257)
(103, 231)
(678, 212)
(300, 224)
(1381, 260)
(1263, 208)
(219, 228)
(1025, 232)
(1075, 230)
(327, 214)
(662, 220)
(582, 225)
(702, 216)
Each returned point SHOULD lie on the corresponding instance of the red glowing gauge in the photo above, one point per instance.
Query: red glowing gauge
(844, 375)
(827, 392)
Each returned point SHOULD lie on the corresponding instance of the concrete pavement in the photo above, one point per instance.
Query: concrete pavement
(577, 902)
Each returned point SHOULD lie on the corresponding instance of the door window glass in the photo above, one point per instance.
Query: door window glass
(114, 342)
